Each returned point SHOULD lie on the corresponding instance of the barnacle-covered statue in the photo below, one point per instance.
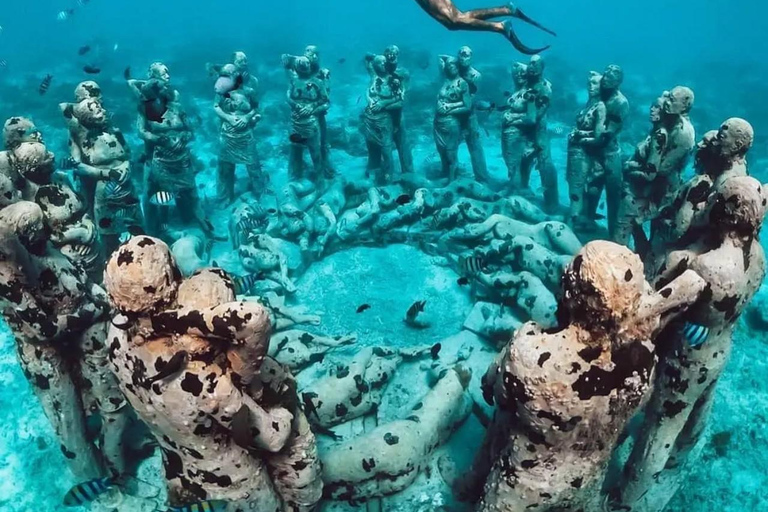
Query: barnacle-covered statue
(564, 394)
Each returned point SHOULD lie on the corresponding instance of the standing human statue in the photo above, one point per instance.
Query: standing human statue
(616, 111)
(308, 98)
(515, 148)
(377, 121)
(470, 128)
(584, 167)
(323, 77)
(237, 107)
(654, 176)
(454, 103)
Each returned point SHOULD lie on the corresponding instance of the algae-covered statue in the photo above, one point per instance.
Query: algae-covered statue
(584, 167)
(564, 394)
(57, 317)
(454, 102)
(452, 18)
(237, 107)
(470, 128)
(377, 121)
(653, 182)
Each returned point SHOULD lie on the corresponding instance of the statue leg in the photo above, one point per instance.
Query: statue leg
(476, 150)
(296, 161)
(225, 184)
(512, 147)
(319, 162)
(401, 143)
(447, 134)
(374, 158)
(51, 380)
(576, 175)
(633, 212)
(548, 176)
(613, 186)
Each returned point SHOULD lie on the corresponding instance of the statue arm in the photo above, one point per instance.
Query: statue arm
(233, 322)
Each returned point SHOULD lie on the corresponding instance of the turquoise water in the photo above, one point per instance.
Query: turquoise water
(710, 46)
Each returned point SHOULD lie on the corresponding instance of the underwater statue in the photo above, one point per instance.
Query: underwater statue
(237, 107)
(170, 349)
(403, 77)
(616, 112)
(525, 138)
(19, 129)
(309, 101)
(654, 176)
(563, 395)
(728, 254)
(454, 102)
(58, 318)
(238, 76)
(470, 128)
(584, 165)
(377, 122)
(101, 160)
(452, 18)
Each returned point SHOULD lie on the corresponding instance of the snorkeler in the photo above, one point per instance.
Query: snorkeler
(452, 18)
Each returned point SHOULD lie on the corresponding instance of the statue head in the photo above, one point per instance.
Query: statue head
(20, 129)
(206, 288)
(34, 162)
(392, 53)
(450, 66)
(519, 74)
(90, 113)
(593, 84)
(87, 90)
(657, 107)
(465, 57)
(312, 53)
(9, 194)
(240, 60)
(60, 205)
(536, 67)
(303, 67)
(738, 207)
(28, 222)
(159, 71)
(380, 65)
(603, 286)
(678, 101)
(735, 138)
(141, 277)
(613, 77)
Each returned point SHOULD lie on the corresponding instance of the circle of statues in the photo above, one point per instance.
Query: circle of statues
(117, 314)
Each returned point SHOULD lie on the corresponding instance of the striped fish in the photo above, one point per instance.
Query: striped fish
(202, 506)
(87, 492)
(471, 264)
(163, 198)
(695, 334)
(243, 284)
(113, 189)
(82, 249)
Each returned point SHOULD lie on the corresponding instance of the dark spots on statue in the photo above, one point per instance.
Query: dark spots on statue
(391, 439)
(112, 144)
(212, 478)
(703, 374)
(305, 339)
(418, 406)
(515, 388)
(575, 198)
(360, 384)
(628, 276)
(543, 358)
(212, 381)
(369, 464)
(191, 384)
(150, 289)
(105, 222)
(666, 292)
(558, 422)
(627, 361)
(577, 482)
(275, 426)
(672, 409)
(342, 371)
(728, 306)
(41, 381)
(575, 368)
(589, 354)
(530, 301)
(676, 382)
(341, 410)
(145, 242)
(68, 454)
(172, 464)
(529, 464)
(124, 257)
(699, 193)
(203, 430)
(194, 453)
(545, 495)
(531, 448)
(356, 400)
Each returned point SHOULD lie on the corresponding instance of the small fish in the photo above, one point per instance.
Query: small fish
(434, 352)
(173, 366)
(359, 99)
(201, 506)
(309, 405)
(83, 3)
(243, 284)
(114, 48)
(86, 492)
(297, 139)
(416, 308)
(471, 264)
(695, 334)
(163, 198)
(127, 73)
(342, 60)
(65, 15)
(136, 230)
(113, 189)
(462, 281)
(91, 70)
(241, 428)
(82, 249)
(363, 307)
(83, 50)
(403, 199)
(45, 84)
(3, 63)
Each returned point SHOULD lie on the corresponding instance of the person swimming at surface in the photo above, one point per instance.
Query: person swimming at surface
(452, 18)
